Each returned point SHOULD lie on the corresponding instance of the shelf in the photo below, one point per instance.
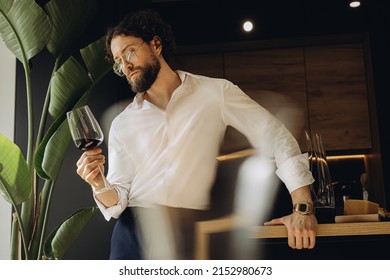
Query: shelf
(203, 230)
(339, 229)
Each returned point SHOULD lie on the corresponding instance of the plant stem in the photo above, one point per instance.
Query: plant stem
(41, 223)
(46, 216)
(14, 255)
(46, 104)
(18, 224)
(28, 207)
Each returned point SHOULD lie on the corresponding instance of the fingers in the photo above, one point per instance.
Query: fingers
(301, 231)
(273, 222)
(88, 165)
(269, 223)
(312, 242)
(301, 241)
(89, 153)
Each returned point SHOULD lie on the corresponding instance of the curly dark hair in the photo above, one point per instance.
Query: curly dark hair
(144, 24)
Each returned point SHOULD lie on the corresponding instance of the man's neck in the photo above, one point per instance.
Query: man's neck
(161, 91)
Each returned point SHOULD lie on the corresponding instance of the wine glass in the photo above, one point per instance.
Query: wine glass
(85, 130)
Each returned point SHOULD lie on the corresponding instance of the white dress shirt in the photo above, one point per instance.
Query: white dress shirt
(169, 157)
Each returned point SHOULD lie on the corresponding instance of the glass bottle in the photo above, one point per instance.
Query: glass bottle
(322, 188)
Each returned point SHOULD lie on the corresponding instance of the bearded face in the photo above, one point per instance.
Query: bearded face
(147, 75)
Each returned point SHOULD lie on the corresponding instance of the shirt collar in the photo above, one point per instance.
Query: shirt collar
(138, 101)
(183, 74)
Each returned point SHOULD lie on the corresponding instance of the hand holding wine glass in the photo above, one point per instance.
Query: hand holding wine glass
(87, 134)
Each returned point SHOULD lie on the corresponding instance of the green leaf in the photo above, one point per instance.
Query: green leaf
(58, 143)
(25, 28)
(68, 84)
(15, 175)
(51, 151)
(55, 151)
(61, 239)
(94, 57)
(69, 19)
(40, 152)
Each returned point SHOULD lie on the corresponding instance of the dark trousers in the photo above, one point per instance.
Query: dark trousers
(125, 239)
(155, 233)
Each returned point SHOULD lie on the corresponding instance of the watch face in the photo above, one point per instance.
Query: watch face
(302, 208)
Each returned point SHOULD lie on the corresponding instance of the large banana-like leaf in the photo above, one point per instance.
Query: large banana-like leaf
(40, 152)
(24, 27)
(58, 144)
(55, 151)
(71, 80)
(68, 84)
(69, 19)
(51, 150)
(60, 240)
(94, 58)
(15, 178)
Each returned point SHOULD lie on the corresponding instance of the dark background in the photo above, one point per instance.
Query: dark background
(203, 22)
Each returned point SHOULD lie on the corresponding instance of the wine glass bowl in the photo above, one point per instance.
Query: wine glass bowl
(86, 132)
(84, 128)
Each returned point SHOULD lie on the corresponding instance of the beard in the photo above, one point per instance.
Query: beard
(146, 77)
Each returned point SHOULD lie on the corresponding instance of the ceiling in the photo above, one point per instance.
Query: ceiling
(202, 21)
(219, 21)
(209, 21)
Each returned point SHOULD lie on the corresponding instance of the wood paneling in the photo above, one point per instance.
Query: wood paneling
(203, 64)
(337, 96)
(321, 88)
(275, 78)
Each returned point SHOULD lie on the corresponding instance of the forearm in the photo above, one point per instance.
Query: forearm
(107, 195)
(302, 194)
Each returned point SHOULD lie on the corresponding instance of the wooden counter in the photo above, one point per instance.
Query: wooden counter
(203, 230)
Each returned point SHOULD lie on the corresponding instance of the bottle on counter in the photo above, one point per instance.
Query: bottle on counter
(322, 188)
(364, 182)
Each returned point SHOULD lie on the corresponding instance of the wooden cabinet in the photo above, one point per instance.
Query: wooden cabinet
(321, 88)
(205, 64)
(337, 96)
(275, 78)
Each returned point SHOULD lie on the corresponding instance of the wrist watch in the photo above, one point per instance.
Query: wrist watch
(303, 208)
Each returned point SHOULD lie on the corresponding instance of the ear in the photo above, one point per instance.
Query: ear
(157, 44)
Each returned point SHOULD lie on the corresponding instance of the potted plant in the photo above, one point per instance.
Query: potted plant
(27, 181)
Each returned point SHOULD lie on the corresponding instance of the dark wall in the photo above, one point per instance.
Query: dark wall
(380, 44)
(190, 20)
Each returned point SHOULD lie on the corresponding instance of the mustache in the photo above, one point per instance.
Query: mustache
(137, 68)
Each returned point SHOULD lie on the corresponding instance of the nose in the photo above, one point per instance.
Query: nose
(126, 66)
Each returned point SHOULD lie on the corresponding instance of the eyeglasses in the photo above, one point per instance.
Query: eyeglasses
(118, 65)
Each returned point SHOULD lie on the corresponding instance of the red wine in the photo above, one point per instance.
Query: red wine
(86, 144)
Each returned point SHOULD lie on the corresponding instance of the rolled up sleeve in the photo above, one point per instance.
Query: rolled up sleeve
(116, 210)
(295, 172)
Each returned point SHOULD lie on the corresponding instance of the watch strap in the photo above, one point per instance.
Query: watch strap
(303, 208)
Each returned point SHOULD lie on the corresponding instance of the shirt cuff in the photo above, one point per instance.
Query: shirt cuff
(295, 172)
(114, 211)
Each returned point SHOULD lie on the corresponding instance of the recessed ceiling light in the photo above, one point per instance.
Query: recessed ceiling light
(247, 26)
(354, 3)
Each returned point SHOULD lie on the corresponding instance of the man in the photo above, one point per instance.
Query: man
(163, 148)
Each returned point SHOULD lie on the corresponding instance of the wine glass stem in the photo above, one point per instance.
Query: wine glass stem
(106, 183)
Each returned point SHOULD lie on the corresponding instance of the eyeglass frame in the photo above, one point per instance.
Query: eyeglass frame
(118, 66)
